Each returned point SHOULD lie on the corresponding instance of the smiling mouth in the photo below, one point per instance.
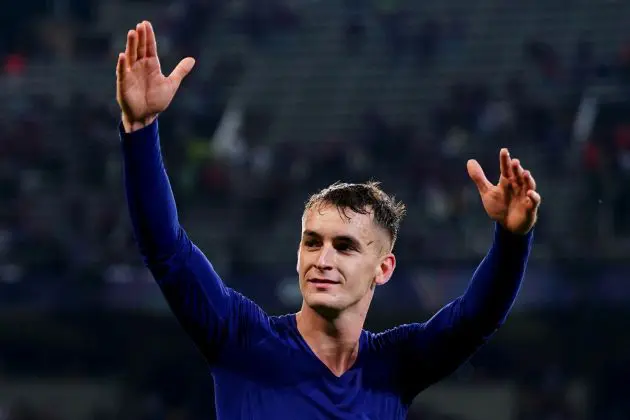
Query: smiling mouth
(322, 281)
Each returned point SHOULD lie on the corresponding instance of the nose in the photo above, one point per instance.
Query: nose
(326, 257)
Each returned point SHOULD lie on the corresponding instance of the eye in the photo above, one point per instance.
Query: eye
(310, 243)
(345, 247)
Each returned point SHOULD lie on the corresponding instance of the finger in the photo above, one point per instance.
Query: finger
(132, 47)
(504, 162)
(121, 67)
(535, 198)
(477, 175)
(181, 70)
(128, 46)
(142, 40)
(121, 73)
(150, 40)
(530, 182)
(517, 172)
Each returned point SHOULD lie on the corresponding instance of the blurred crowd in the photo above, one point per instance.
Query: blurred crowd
(64, 212)
(63, 223)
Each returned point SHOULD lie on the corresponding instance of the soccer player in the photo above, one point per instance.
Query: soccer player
(318, 363)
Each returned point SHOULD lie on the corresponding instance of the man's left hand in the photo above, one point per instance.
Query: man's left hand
(513, 202)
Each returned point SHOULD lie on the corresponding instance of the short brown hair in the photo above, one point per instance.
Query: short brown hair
(363, 198)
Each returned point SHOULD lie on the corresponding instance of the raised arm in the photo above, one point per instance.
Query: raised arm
(210, 312)
(434, 349)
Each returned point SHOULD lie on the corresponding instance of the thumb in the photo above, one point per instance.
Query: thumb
(181, 70)
(477, 175)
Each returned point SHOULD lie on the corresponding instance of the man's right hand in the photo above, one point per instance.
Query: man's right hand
(142, 91)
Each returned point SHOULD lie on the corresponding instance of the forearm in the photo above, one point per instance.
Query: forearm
(437, 347)
(496, 282)
(149, 196)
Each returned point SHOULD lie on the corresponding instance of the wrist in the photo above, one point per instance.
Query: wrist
(501, 231)
(130, 126)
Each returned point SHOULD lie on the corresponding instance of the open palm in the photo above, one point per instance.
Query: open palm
(513, 202)
(142, 91)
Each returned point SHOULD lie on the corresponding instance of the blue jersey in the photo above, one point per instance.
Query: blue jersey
(261, 365)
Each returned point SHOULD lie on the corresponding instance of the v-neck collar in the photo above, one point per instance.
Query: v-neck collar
(318, 361)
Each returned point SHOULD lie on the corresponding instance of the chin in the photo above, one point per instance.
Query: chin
(324, 304)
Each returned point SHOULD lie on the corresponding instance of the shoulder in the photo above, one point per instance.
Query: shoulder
(387, 355)
(253, 330)
(393, 339)
(272, 328)
(283, 325)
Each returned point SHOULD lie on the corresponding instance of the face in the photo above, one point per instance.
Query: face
(341, 259)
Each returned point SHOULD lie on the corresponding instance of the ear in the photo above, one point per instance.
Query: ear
(385, 269)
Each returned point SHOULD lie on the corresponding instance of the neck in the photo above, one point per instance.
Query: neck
(335, 341)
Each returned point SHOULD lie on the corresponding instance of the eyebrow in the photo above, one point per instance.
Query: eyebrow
(343, 238)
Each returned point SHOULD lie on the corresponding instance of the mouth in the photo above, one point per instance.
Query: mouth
(322, 282)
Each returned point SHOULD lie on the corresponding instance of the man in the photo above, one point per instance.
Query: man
(318, 363)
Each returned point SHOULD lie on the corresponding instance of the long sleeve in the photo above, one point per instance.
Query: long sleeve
(149, 196)
(434, 349)
(212, 314)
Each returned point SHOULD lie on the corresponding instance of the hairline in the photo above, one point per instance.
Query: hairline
(322, 202)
